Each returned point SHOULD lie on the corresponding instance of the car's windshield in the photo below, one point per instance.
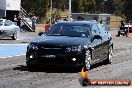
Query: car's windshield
(1, 22)
(69, 30)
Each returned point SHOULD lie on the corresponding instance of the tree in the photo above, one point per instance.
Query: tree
(116, 7)
(37, 7)
(76, 6)
(88, 6)
(127, 12)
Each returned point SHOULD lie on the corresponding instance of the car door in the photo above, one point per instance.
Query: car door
(105, 41)
(96, 45)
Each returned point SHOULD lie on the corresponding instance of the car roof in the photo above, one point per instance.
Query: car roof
(79, 22)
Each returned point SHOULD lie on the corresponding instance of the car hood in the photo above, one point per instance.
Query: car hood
(61, 40)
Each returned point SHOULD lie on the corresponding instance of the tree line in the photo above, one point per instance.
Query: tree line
(121, 8)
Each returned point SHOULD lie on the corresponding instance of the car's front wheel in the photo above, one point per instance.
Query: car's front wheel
(14, 37)
(31, 67)
(87, 60)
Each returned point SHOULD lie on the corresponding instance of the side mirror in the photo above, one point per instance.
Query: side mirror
(40, 33)
(97, 37)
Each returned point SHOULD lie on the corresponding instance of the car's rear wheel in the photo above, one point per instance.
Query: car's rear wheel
(87, 60)
(14, 37)
(110, 55)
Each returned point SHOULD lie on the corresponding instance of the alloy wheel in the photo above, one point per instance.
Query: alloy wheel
(88, 60)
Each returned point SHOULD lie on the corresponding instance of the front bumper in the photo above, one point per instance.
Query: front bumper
(59, 59)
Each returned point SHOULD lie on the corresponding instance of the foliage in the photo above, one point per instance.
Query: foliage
(127, 10)
(35, 7)
(116, 7)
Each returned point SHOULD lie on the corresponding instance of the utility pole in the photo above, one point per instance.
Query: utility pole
(69, 9)
(50, 11)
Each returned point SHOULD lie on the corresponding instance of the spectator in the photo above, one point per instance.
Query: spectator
(19, 22)
(15, 18)
(70, 19)
(34, 23)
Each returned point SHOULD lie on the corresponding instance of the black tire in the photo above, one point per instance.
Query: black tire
(84, 82)
(119, 33)
(87, 60)
(124, 34)
(110, 55)
(31, 67)
(14, 37)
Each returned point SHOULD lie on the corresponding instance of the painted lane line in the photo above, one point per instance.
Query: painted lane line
(14, 44)
(13, 56)
(11, 50)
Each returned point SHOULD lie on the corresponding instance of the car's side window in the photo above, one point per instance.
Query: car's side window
(7, 23)
(95, 30)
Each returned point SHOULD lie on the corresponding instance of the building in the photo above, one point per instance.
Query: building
(97, 17)
(9, 8)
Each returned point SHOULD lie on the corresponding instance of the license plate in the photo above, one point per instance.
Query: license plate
(49, 56)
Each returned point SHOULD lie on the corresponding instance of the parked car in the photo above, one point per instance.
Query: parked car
(77, 43)
(8, 29)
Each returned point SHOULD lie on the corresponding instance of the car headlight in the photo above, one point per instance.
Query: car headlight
(33, 46)
(73, 48)
(85, 46)
(76, 48)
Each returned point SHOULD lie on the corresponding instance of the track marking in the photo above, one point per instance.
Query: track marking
(10, 50)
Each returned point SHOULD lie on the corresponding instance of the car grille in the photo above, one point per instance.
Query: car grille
(43, 50)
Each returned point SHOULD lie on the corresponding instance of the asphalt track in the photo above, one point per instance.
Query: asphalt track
(14, 72)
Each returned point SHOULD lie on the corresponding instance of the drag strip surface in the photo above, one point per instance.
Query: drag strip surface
(15, 74)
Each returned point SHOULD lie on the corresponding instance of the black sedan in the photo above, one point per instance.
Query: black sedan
(77, 43)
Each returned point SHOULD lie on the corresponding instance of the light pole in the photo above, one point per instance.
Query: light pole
(50, 11)
(69, 9)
